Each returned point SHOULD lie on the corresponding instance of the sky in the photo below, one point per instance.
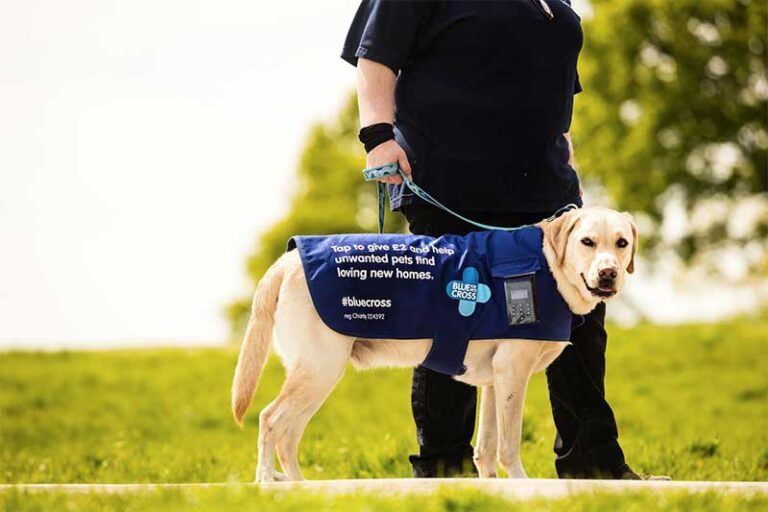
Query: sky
(143, 147)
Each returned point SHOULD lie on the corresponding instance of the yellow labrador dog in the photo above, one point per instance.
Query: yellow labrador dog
(587, 250)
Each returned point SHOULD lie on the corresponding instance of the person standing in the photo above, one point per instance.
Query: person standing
(474, 100)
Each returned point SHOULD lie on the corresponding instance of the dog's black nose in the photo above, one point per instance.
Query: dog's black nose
(608, 274)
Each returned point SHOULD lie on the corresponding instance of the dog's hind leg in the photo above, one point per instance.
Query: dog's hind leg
(269, 420)
(313, 391)
(282, 422)
(487, 439)
(316, 357)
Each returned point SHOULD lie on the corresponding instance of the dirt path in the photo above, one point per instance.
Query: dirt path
(517, 489)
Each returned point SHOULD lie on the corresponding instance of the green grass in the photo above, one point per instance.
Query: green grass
(691, 401)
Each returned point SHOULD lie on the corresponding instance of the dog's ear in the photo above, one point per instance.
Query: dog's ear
(631, 266)
(559, 230)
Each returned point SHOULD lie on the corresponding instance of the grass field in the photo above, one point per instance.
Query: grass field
(691, 401)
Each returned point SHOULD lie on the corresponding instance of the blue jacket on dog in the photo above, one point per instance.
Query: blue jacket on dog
(485, 285)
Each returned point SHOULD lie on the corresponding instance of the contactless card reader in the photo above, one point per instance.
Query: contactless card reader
(520, 294)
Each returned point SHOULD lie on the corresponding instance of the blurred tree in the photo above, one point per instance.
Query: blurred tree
(331, 197)
(672, 121)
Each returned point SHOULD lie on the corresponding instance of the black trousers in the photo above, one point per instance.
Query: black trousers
(586, 444)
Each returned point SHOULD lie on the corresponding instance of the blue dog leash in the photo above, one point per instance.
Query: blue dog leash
(392, 169)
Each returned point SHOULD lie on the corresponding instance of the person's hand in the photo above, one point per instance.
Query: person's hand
(387, 153)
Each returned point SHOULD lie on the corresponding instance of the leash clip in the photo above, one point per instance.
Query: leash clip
(559, 212)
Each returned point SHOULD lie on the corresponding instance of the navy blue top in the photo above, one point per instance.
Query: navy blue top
(484, 94)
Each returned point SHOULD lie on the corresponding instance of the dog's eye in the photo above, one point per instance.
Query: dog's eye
(588, 242)
(621, 243)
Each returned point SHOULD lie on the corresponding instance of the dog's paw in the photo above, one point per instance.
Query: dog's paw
(263, 477)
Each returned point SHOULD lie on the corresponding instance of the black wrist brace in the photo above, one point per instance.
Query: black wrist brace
(373, 135)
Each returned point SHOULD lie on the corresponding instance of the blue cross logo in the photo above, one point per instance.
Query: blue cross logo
(468, 291)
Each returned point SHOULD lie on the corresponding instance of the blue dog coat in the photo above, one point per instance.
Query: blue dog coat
(452, 289)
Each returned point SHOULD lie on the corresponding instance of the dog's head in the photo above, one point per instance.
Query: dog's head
(591, 248)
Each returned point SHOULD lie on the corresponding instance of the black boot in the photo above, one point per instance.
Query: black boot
(445, 466)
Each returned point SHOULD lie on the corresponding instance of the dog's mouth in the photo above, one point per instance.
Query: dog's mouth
(601, 291)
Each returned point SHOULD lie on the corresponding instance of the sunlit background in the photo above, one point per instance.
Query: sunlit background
(144, 146)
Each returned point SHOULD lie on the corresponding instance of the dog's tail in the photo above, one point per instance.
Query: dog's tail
(258, 338)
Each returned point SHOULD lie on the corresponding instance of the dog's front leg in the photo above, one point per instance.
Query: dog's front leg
(487, 439)
(511, 371)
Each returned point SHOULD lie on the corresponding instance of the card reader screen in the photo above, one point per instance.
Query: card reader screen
(517, 294)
